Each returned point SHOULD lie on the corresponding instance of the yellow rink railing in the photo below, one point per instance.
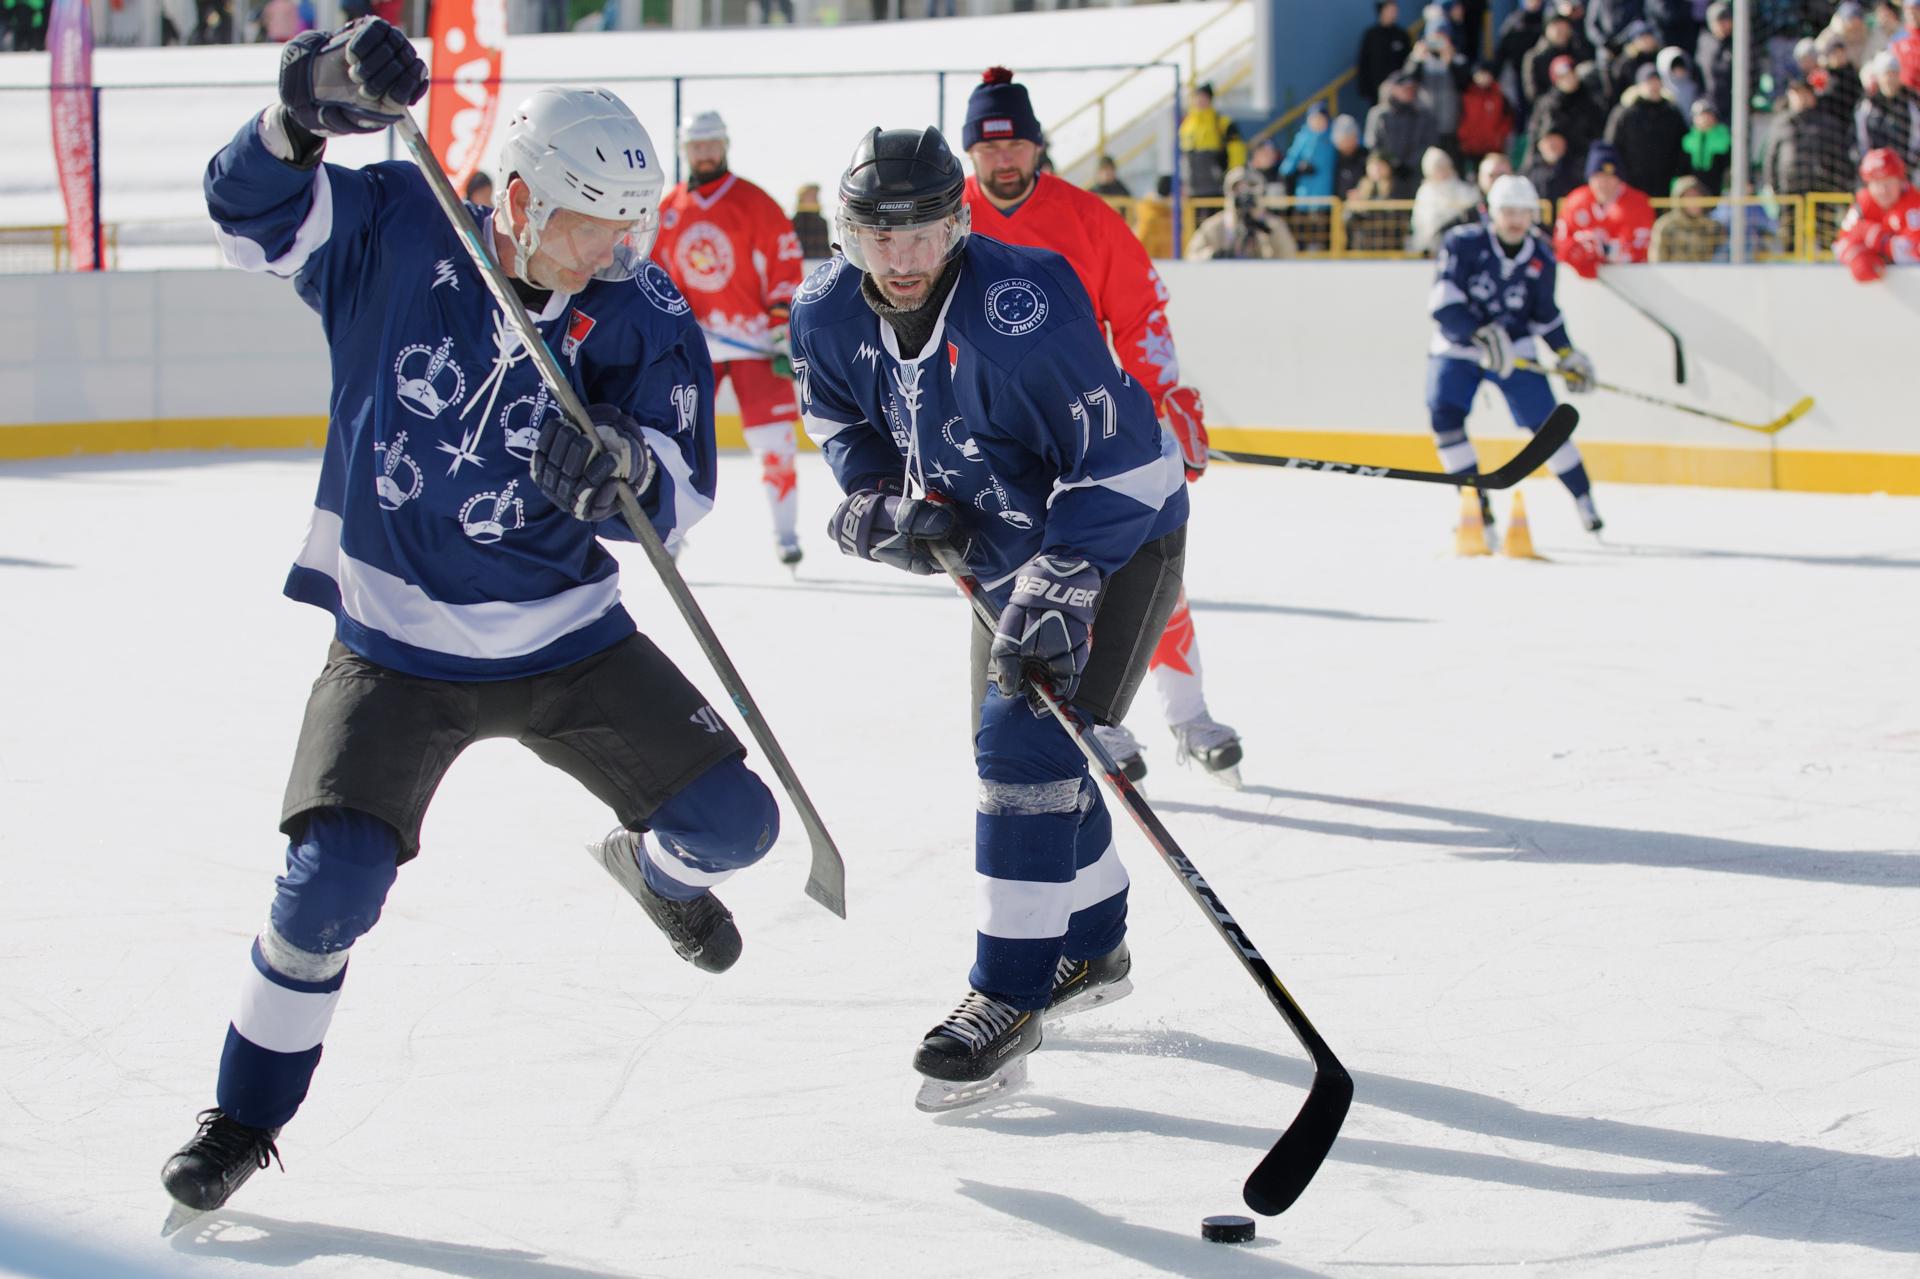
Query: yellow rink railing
(26, 249)
(1784, 228)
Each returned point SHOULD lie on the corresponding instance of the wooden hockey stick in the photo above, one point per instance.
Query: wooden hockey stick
(827, 882)
(1781, 423)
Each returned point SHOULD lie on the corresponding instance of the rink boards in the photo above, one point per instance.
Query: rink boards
(1302, 358)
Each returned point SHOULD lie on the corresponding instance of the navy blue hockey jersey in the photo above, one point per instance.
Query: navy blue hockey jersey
(1014, 410)
(1476, 283)
(430, 543)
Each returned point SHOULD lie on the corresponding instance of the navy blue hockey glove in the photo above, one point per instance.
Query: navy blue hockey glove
(1046, 629)
(359, 79)
(584, 484)
(894, 530)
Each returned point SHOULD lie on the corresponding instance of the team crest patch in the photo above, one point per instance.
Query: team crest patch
(660, 290)
(820, 280)
(1016, 307)
(704, 255)
(578, 327)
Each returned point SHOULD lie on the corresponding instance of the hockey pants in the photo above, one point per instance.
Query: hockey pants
(1451, 384)
(767, 414)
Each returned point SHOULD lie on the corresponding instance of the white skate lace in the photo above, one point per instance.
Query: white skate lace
(978, 1019)
(1202, 734)
(1065, 969)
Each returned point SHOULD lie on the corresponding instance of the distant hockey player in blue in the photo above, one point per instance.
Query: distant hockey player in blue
(1493, 304)
(454, 536)
(964, 395)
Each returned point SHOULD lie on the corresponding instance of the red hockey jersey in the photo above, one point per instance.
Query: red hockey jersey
(1587, 236)
(734, 254)
(1873, 237)
(1128, 297)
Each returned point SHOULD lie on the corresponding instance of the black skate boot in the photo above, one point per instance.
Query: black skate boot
(1124, 748)
(701, 931)
(1080, 984)
(1589, 514)
(788, 549)
(978, 1052)
(204, 1173)
(1212, 745)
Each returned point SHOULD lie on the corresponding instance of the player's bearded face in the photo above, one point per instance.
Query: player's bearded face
(1005, 169)
(903, 261)
(706, 159)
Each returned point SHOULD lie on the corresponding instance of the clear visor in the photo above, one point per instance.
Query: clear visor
(902, 250)
(596, 247)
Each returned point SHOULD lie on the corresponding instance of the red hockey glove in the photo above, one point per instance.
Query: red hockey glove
(1866, 266)
(1187, 416)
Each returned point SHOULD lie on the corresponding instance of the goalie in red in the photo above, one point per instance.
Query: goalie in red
(1010, 200)
(1883, 226)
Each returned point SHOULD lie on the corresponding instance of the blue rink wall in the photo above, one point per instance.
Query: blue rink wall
(1303, 358)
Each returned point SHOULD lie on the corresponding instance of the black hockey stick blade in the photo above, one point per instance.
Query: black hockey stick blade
(1278, 1180)
(1553, 432)
(1679, 349)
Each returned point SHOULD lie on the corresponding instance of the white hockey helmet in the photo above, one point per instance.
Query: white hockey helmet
(1511, 191)
(582, 149)
(702, 126)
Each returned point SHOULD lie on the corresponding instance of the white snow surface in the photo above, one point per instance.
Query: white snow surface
(1600, 875)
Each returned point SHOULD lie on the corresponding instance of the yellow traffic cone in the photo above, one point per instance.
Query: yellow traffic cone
(1519, 544)
(1470, 538)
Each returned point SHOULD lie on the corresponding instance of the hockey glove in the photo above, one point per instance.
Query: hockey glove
(898, 531)
(1496, 350)
(782, 352)
(1577, 370)
(359, 79)
(1187, 419)
(585, 484)
(1046, 629)
(1867, 266)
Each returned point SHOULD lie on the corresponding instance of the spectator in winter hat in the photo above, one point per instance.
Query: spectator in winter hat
(1443, 201)
(1677, 78)
(1605, 221)
(1639, 49)
(1551, 168)
(1714, 57)
(1439, 71)
(810, 225)
(1649, 132)
(1889, 114)
(1403, 128)
(1383, 51)
(1486, 121)
(1569, 108)
(1708, 146)
(1309, 164)
(1849, 27)
(1807, 150)
(1493, 166)
(1242, 228)
(1210, 143)
(1556, 42)
(1349, 157)
(1688, 232)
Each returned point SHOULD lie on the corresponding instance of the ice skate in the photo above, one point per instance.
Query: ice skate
(788, 549)
(1081, 984)
(701, 931)
(1589, 514)
(204, 1173)
(978, 1053)
(1123, 748)
(1211, 745)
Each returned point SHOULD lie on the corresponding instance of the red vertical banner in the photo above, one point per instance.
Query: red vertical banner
(70, 81)
(468, 36)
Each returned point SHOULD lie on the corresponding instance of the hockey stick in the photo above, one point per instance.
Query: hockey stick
(1287, 1168)
(827, 882)
(1679, 351)
(1774, 427)
(1552, 433)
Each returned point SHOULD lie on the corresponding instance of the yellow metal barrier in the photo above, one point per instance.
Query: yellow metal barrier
(31, 250)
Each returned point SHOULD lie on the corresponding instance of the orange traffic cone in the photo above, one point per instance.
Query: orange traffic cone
(1519, 544)
(1470, 538)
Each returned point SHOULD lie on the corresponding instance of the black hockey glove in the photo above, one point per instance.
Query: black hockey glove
(359, 79)
(584, 484)
(900, 531)
(1046, 629)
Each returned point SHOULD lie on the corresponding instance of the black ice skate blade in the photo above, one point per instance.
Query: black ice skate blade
(1088, 1000)
(951, 1097)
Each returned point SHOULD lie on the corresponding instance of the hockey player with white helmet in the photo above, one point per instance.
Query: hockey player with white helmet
(736, 258)
(1492, 304)
(963, 394)
(456, 537)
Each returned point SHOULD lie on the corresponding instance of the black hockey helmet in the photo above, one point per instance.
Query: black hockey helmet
(898, 180)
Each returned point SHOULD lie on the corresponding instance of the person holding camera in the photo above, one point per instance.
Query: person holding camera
(1244, 228)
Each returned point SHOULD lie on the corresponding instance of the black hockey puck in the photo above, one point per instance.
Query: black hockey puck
(1227, 1229)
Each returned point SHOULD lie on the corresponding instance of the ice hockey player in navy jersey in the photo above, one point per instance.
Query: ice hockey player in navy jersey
(964, 395)
(1493, 304)
(454, 537)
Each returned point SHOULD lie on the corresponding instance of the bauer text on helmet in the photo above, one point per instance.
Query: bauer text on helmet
(583, 197)
(903, 214)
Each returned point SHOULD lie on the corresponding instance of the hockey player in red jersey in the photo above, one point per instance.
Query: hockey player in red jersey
(1604, 221)
(1883, 226)
(735, 256)
(1010, 200)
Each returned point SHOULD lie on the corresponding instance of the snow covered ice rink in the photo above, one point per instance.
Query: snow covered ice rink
(1600, 875)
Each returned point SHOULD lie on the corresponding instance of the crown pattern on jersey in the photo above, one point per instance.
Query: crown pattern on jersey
(429, 381)
(488, 517)
(400, 479)
(521, 420)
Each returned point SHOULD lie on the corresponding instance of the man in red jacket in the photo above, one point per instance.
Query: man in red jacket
(1605, 221)
(735, 256)
(1883, 226)
(1011, 201)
